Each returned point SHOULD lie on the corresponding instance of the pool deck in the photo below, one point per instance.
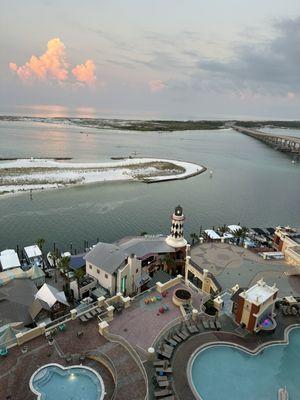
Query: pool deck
(142, 323)
(16, 368)
(234, 264)
(248, 341)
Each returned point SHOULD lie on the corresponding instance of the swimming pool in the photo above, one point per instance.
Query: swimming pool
(54, 382)
(223, 372)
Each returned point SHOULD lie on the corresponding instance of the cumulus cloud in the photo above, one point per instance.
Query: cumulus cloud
(50, 65)
(85, 73)
(156, 85)
(53, 66)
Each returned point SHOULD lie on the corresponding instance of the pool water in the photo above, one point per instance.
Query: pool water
(53, 382)
(223, 372)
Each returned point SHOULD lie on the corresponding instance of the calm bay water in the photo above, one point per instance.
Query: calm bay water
(251, 184)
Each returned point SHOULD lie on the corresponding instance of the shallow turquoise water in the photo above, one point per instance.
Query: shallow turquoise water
(222, 372)
(76, 383)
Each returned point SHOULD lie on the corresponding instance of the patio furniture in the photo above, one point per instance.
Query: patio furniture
(161, 378)
(88, 315)
(162, 393)
(177, 338)
(164, 383)
(159, 363)
(163, 354)
(98, 310)
(218, 325)
(205, 324)
(79, 333)
(211, 324)
(168, 398)
(168, 348)
(172, 342)
(83, 318)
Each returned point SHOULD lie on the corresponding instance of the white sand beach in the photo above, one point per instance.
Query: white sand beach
(41, 174)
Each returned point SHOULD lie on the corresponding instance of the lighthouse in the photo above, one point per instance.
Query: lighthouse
(176, 238)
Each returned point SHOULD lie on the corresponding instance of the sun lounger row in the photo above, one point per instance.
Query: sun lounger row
(290, 310)
(90, 314)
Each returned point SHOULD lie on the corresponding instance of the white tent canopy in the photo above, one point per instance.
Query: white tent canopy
(212, 234)
(9, 259)
(33, 251)
(234, 228)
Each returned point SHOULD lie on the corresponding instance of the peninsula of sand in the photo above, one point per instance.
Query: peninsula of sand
(41, 174)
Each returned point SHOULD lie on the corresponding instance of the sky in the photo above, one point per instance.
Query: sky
(177, 59)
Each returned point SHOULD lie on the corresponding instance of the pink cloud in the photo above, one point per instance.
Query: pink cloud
(85, 73)
(156, 85)
(50, 65)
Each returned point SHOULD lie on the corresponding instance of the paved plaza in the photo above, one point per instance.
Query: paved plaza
(141, 323)
(233, 264)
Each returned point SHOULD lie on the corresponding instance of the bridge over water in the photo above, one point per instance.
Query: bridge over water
(287, 144)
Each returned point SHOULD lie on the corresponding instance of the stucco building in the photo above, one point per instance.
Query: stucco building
(127, 265)
(254, 308)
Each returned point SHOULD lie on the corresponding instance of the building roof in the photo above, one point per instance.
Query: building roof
(212, 234)
(15, 299)
(109, 257)
(9, 259)
(50, 295)
(17, 273)
(259, 293)
(77, 261)
(33, 251)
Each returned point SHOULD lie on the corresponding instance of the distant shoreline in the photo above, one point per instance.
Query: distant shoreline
(152, 125)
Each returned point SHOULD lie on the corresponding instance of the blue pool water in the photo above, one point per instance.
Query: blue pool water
(54, 383)
(223, 372)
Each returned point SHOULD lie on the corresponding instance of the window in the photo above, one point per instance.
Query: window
(137, 270)
(90, 266)
(98, 271)
(106, 276)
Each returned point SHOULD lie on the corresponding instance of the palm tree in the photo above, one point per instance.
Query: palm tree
(40, 242)
(64, 264)
(194, 237)
(244, 231)
(79, 274)
(54, 257)
(238, 235)
(223, 229)
(169, 262)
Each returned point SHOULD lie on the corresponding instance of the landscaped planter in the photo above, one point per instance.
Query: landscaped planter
(181, 296)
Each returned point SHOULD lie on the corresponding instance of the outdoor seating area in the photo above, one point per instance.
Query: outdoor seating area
(90, 314)
(167, 346)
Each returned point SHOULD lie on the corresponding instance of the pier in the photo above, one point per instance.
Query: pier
(287, 144)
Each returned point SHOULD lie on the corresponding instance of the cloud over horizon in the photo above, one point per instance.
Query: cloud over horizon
(85, 73)
(52, 65)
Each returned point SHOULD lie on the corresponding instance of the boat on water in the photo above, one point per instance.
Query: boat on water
(283, 394)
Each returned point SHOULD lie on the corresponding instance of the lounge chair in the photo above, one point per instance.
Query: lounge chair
(162, 393)
(161, 378)
(211, 324)
(83, 318)
(88, 315)
(159, 363)
(218, 325)
(93, 312)
(171, 342)
(165, 383)
(163, 354)
(168, 398)
(205, 324)
(177, 338)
